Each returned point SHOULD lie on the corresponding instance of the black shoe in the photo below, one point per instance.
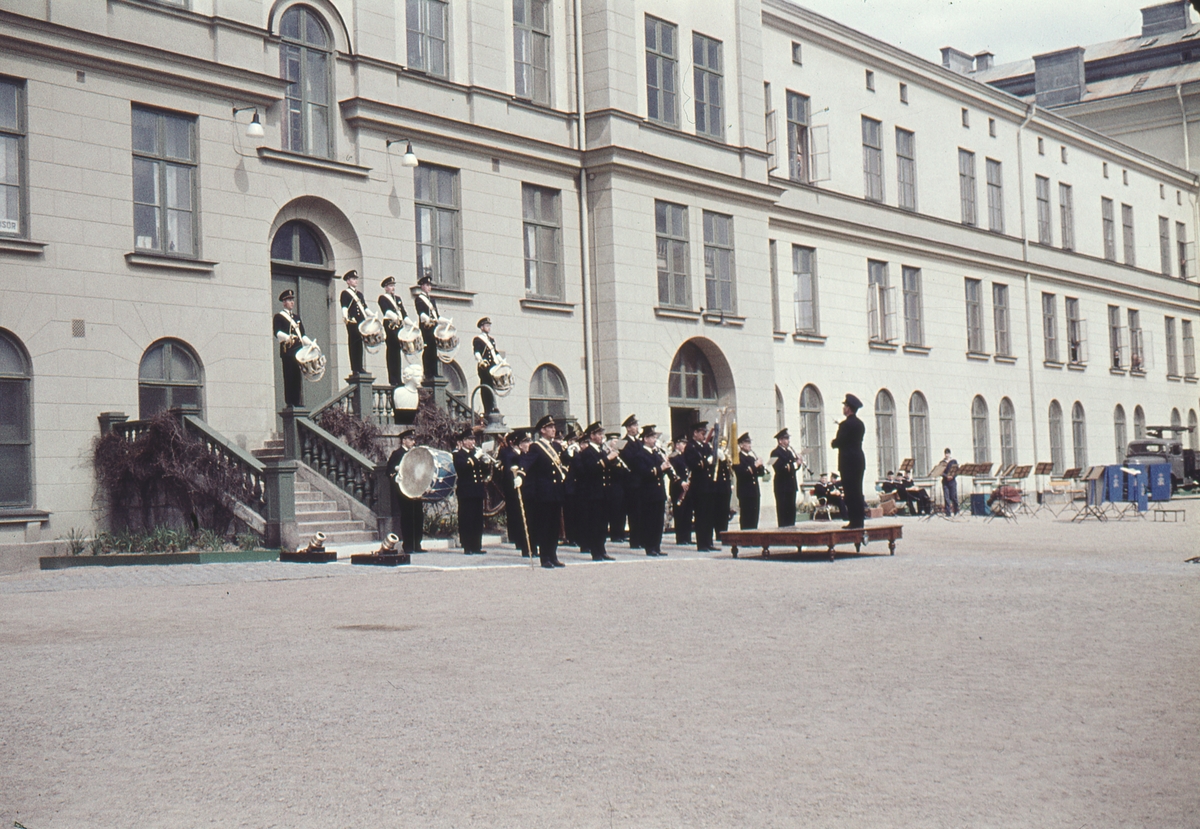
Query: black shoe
(853, 527)
(557, 563)
(653, 553)
(706, 549)
(607, 557)
(549, 565)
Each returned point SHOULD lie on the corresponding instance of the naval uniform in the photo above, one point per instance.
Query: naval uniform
(474, 471)
(681, 502)
(510, 463)
(852, 464)
(486, 357)
(785, 464)
(289, 325)
(632, 506)
(354, 311)
(543, 490)
(591, 472)
(647, 470)
(701, 461)
(748, 495)
(409, 511)
(388, 305)
(427, 317)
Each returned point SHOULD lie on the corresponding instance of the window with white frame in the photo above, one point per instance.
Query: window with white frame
(1181, 247)
(718, 263)
(1189, 349)
(872, 140)
(164, 182)
(1050, 327)
(1008, 433)
(1116, 344)
(543, 225)
(780, 411)
(1137, 351)
(436, 209)
(1108, 225)
(769, 124)
(995, 191)
(1079, 434)
(1127, 234)
(918, 432)
(804, 271)
(1000, 319)
(305, 51)
(914, 322)
(427, 22)
(906, 169)
(12, 158)
(797, 126)
(1139, 423)
(812, 431)
(1164, 244)
(548, 394)
(885, 432)
(169, 377)
(966, 186)
(981, 439)
(773, 260)
(531, 50)
(707, 85)
(1045, 231)
(1120, 433)
(975, 343)
(1076, 333)
(671, 245)
(1066, 216)
(1172, 347)
(880, 312)
(1057, 457)
(662, 67)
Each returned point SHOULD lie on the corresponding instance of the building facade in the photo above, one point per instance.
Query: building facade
(760, 211)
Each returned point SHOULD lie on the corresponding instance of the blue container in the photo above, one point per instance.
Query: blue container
(1136, 489)
(1114, 483)
(1160, 481)
(979, 504)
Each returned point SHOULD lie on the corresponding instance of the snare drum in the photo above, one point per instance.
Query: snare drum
(311, 362)
(372, 332)
(502, 378)
(426, 473)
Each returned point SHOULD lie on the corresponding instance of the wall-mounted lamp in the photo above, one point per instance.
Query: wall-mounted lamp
(255, 128)
(409, 158)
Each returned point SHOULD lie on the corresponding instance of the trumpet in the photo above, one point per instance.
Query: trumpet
(486, 457)
(765, 474)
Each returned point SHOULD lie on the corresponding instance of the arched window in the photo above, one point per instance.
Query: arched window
(918, 433)
(456, 381)
(16, 424)
(780, 411)
(885, 431)
(1176, 420)
(1008, 433)
(1194, 434)
(169, 377)
(1079, 434)
(1139, 423)
(1120, 433)
(981, 439)
(296, 243)
(547, 394)
(1056, 438)
(304, 53)
(812, 431)
(692, 381)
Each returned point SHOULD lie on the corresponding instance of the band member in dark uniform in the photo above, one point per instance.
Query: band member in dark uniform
(409, 511)
(701, 463)
(722, 492)
(427, 318)
(950, 482)
(289, 333)
(630, 505)
(354, 311)
(543, 491)
(852, 464)
(474, 470)
(828, 493)
(786, 464)
(591, 470)
(681, 504)
(392, 308)
(509, 455)
(574, 530)
(651, 469)
(486, 357)
(748, 470)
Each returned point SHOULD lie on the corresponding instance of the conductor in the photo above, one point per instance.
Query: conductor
(852, 464)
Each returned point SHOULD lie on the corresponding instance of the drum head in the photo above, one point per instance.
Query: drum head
(416, 472)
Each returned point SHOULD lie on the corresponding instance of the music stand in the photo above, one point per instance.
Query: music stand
(1021, 474)
(1040, 471)
(1094, 481)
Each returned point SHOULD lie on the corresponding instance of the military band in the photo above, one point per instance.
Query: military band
(681, 503)
(630, 506)
(409, 512)
(749, 469)
(545, 478)
(354, 311)
(652, 470)
(701, 462)
(392, 308)
(592, 472)
(511, 482)
(473, 469)
(289, 333)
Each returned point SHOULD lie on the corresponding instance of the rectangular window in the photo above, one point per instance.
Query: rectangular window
(531, 50)
(872, 139)
(1109, 227)
(1000, 319)
(662, 65)
(774, 263)
(995, 191)
(1172, 349)
(992, 127)
(12, 158)
(1115, 340)
(1189, 349)
(1164, 244)
(706, 84)
(879, 306)
(975, 344)
(904, 93)
(671, 238)
(1050, 327)
(906, 169)
(164, 182)
(797, 53)
(427, 24)
(543, 224)
(1045, 232)
(718, 262)
(797, 126)
(435, 197)
(966, 185)
(870, 81)
(804, 268)
(914, 324)
(1137, 354)
(770, 127)
(1181, 248)
(1076, 334)
(1066, 215)
(1127, 234)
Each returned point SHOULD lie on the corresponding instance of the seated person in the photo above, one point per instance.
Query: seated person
(827, 493)
(916, 497)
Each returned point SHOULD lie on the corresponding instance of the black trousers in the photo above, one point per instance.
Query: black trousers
(634, 507)
(411, 513)
(487, 395)
(516, 524)
(470, 524)
(543, 528)
(615, 509)
(354, 345)
(293, 382)
(721, 501)
(683, 520)
(595, 526)
(394, 363)
(650, 516)
(785, 508)
(852, 488)
(748, 509)
(703, 514)
(429, 358)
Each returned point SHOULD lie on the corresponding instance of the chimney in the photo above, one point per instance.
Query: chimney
(957, 61)
(1165, 17)
(1058, 77)
(983, 60)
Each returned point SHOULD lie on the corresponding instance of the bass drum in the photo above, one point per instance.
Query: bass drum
(426, 474)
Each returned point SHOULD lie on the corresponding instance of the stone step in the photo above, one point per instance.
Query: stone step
(273, 443)
(327, 527)
(348, 537)
(267, 454)
(325, 517)
(309, 495)
(311, 507)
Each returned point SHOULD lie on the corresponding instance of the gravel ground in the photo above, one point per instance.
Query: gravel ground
(1043, 674)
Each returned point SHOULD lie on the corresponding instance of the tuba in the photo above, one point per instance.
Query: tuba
(372, 332)
(311, 361)
(409, 336)
(445, 337)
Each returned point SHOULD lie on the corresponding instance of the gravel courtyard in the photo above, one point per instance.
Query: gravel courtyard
(1043, 674)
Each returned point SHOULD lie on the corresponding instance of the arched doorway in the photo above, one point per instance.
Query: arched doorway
(700, 385)
(300, 261)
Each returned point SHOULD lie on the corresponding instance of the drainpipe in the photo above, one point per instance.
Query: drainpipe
(1033, 407)
(584, 258)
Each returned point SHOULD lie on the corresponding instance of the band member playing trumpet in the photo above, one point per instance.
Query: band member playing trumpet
(409, 511)
(652, 470)
(393, 318)
(591, 471)
(289, 333)
(786, 463)
(427, 318)
(748, 470)
(702, 464)
(628, 486)
(486, 358)
(354, 311)
(474, 470)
